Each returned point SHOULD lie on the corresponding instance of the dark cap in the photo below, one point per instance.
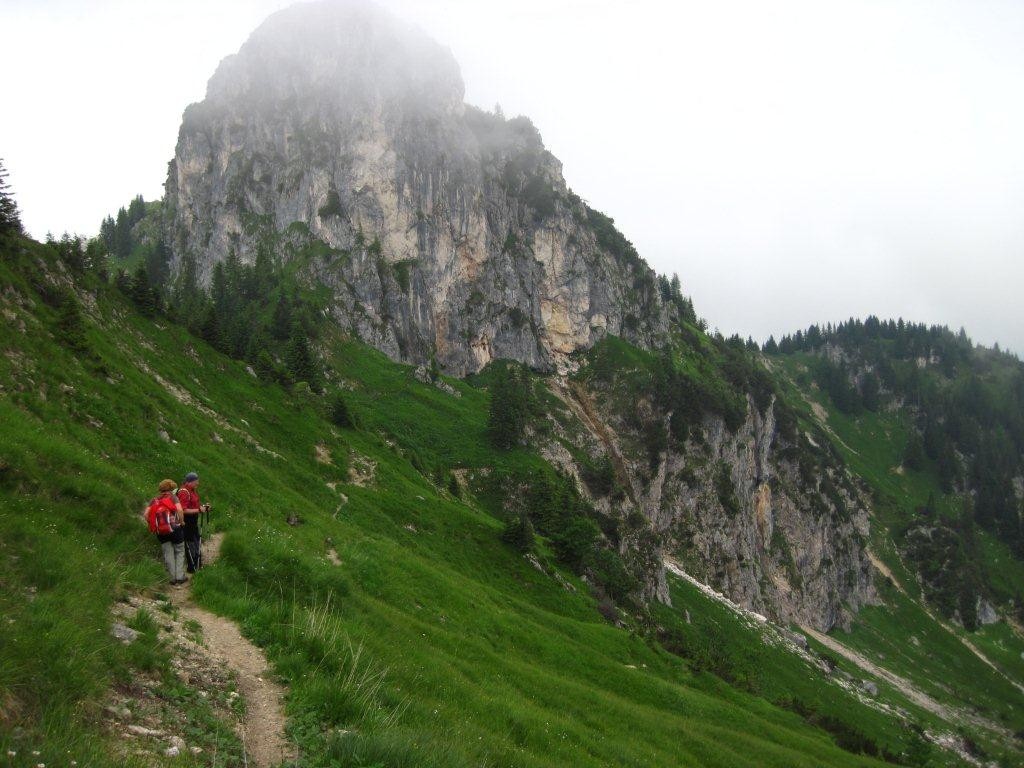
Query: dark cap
(191, 477)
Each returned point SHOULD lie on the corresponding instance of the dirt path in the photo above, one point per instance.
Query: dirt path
(885, 571)
(904, 686)
(1016, 626)
(262, 728)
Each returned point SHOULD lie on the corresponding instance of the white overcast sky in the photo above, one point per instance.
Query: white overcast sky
(794, 162)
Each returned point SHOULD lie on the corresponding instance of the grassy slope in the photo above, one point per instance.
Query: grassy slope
(938, 663)
(468, 654)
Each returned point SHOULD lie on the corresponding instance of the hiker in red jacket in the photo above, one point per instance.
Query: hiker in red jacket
(166, 519)
(188, 496)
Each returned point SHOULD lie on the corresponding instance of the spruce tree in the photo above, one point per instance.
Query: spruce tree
(519, 531)
(913, 454)
(676, 288)
(209, 327)
(665, 288)
(869, 392)
(340, 415)
(190, 302)
(142, 295)
(10, 220)
(264, 366)
(506, 419)
(158, 263)
(108, 234)
(71, 325)
(136, 210)
(281, 323)
(96, 259)
(299, 358)
(122, 235)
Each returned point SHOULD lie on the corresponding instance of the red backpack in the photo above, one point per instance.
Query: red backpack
(159, 514)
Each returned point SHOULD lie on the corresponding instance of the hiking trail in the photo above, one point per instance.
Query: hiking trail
(262, 727)
(950, 714)
(885, 571)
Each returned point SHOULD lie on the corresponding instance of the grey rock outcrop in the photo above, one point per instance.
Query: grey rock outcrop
(337, 138)
(783, 549)
(986, 612)
(124, 633)
(733, 509)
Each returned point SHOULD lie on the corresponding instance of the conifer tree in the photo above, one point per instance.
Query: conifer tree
(264, 366)
(913, 454)
(70, 325)
(136, 210)
(519, 531)
(340, 415)
(108, 234)
(158, 263)
(142, 295)
(190, 302)
(96, 259)
(665, 288)
(10, 220)
(299, 360)
(281, 322)
(506, 420)
(122, 235)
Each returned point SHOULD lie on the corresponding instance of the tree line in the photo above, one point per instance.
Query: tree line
(967, 404)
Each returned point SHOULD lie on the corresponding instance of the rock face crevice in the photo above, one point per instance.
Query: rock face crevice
(339, 137)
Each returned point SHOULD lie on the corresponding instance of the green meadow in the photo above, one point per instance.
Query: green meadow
(368, 563)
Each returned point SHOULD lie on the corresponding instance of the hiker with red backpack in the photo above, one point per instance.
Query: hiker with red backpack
(166, 519)
(188, 496)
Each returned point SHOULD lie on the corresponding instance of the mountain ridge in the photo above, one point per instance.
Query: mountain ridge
(452, 232)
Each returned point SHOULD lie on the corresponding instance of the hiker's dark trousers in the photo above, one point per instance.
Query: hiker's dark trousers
(193, 550)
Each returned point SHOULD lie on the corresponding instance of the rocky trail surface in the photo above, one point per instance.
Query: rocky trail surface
(951, 715)
(262, 726)
(885, 571)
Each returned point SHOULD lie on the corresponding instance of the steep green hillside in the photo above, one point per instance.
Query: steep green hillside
(478, 656)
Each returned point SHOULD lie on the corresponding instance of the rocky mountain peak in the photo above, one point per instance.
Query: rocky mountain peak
(442, 231)
(349, 55)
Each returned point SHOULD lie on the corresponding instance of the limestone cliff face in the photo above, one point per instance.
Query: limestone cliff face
(734, 509)
(338, 137)
(785, 549)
